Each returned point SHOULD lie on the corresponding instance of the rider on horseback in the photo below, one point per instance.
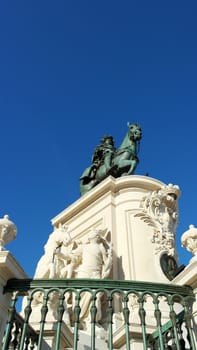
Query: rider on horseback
(107, 160)
(103, 154)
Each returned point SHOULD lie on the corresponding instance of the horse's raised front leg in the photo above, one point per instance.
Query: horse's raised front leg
(133, 166)
(127, 167)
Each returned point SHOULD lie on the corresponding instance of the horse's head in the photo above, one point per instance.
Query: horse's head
(135, 132)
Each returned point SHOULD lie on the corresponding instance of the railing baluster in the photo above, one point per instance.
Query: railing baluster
(77, 311)
(157, 314)
(44, 311)
(16, 334)
(161, 337)
(32, 344)
(187, 318)
(126, 314)
(93, 311)
(27, 342)
(27, 312)
(11, 313)
(142, 314)
(110, 320)
(173, 319)
(180, 332)
(60, 313)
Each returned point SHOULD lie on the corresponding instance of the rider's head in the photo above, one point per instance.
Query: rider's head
(108, 139)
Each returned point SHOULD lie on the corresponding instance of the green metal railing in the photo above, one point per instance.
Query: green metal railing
(118, 314)
(15, 328)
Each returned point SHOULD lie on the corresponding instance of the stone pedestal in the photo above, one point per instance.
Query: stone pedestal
(9, 268)
(141, 214)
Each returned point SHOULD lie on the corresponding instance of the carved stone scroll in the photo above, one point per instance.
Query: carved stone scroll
(159, 210)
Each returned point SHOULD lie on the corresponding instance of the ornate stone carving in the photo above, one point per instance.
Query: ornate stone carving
(95, 255)
(159, 210)
(96, 262)
(8, 231)
(189, 241)
(56, 261)
(67, 258)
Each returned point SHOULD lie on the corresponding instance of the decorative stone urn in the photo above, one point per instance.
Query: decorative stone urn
(189, 241)
(8, 231)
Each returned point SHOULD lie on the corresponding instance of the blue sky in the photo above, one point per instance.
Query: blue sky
(73, 71)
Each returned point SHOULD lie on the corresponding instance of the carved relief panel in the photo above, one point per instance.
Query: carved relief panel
(159, 209)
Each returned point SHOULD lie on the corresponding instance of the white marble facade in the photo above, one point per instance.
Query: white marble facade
(137, 215)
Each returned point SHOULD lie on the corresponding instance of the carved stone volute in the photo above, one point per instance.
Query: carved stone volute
(160, 210)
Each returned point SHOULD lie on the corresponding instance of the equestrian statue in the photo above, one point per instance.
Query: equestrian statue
(107, 160)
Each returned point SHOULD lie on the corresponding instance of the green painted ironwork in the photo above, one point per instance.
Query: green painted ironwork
(126, 313)
(44, 311)
(187, 318)
(27, 313)
(142, 314)
(174, 323)
(93, 311)
(25, 285)
(60, 313)
(123, 297)
(10, 320)
(110, 322)
(18, 333)
(157, 314)
(77, 311)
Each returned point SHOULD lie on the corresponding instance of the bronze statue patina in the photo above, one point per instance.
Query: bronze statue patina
(107, 160)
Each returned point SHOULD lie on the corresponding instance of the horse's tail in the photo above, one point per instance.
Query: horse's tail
(85, 174)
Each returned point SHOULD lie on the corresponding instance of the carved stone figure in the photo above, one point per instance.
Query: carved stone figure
(55, 263)
(96, 262)
(95, 255)
(66, 258)
(107, 160)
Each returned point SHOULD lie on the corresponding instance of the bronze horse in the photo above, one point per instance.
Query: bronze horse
(123, 161)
